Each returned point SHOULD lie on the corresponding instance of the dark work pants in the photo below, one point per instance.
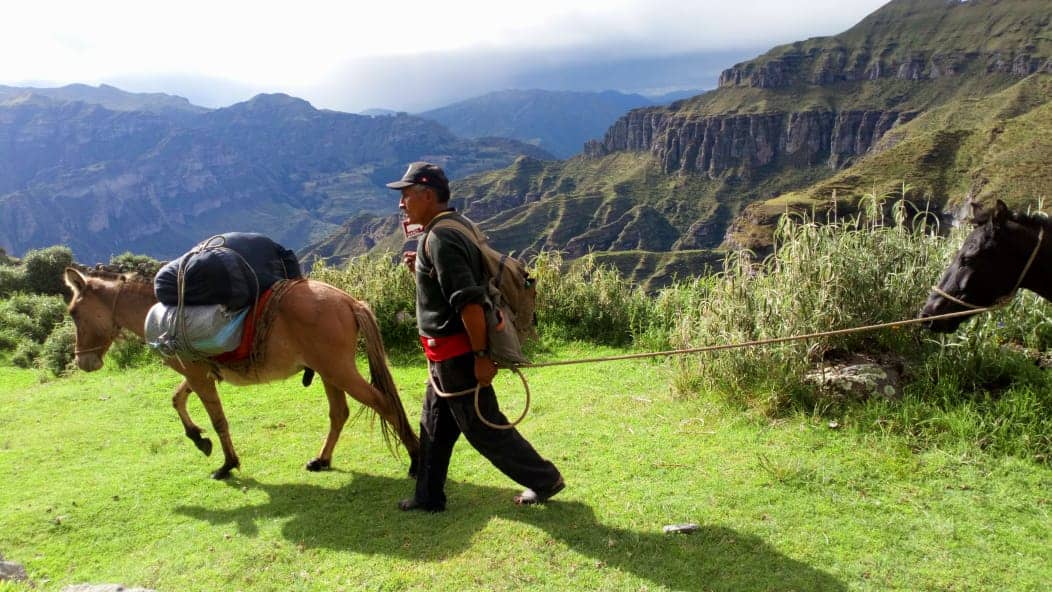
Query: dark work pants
(444, 419)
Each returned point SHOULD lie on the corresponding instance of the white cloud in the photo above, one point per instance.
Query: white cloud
(285, 45)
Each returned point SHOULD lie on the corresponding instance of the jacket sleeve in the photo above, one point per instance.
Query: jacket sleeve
(457, 265)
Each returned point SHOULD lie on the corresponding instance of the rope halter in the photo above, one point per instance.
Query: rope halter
(114, 330)
(1007, 297)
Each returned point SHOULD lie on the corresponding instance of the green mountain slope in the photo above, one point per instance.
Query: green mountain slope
(994, 147)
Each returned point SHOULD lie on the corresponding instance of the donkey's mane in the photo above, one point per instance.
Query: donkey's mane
(113, 273)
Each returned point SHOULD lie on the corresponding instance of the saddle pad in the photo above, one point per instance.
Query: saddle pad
(248, 334)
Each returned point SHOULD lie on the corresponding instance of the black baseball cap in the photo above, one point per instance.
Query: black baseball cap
(422, 173)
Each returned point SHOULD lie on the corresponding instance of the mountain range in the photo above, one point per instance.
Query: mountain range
(104, 171)
(557, 121)
(949, 99)
(952, 99)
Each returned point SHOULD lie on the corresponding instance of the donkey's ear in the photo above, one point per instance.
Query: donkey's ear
(75, 280)
(1001, 213)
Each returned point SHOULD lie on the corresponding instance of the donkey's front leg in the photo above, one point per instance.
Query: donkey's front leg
(193, 431)
(206, 391)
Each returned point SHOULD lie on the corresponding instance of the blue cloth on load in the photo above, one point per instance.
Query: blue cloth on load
(210, 329)
(224, 270)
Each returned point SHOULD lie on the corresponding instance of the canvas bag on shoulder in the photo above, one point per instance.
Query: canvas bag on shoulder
(511, 291)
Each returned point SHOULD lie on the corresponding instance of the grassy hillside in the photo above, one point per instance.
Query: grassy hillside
(621, 207)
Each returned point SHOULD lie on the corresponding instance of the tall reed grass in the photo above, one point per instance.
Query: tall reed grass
(387, 287)
(872, 267)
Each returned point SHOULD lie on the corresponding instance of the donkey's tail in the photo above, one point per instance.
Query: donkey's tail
(380, 377)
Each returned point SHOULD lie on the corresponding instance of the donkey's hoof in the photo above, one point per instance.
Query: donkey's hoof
(319, 464)
(204, 445)
(223, 472)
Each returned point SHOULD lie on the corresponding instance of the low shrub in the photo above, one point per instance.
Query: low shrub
(584, 301)
(144, 265)
(128, 351)
(32, 316)
(44, 268)
(12, 279)
(388, 288)
(57, 352)
(26, 354)
(579, 301)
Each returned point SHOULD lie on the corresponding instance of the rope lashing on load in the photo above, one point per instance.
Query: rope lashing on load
(217, 242)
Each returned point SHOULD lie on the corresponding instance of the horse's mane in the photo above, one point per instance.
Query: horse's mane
(981, 214)
(1032, 219)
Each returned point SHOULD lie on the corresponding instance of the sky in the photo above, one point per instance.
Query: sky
(403, 55)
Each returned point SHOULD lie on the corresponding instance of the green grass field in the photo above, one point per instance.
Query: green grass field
(99, 485)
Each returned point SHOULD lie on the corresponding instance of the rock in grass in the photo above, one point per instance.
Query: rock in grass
(102, 588)
(859, 379)
(11, 571)
(682, 528)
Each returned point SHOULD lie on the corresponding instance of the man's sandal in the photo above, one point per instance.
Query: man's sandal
(530, 497)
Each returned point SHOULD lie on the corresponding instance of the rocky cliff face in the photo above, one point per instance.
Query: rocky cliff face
(717, 144)
(828, 100)
(829, 66)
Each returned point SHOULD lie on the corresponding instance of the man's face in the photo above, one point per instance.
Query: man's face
(416, 203)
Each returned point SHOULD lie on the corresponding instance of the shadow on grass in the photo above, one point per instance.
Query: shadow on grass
(362, 517)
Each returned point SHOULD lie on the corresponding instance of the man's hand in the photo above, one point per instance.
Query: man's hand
(409, 259)
(474, 318)
(485, 370)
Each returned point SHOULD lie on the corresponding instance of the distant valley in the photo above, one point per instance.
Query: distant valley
(557, 121)
(104, 171)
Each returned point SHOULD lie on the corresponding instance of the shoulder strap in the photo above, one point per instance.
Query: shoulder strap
(453, 221)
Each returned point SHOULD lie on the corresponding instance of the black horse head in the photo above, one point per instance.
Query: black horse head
(994, 261)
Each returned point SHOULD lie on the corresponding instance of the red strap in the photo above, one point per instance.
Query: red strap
(248, 333)
(439, 349)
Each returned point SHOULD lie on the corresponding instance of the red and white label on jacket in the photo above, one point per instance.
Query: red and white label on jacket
(411, 230)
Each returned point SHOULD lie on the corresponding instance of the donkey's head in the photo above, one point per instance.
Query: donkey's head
(93, 308)
(987, 268)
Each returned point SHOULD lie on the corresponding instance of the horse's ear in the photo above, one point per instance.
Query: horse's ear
(978, 215)
(75, 280)
(974, 210)
(1001, 213)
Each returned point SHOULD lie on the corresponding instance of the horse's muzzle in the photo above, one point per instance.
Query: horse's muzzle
(939, 325)
(89, 362)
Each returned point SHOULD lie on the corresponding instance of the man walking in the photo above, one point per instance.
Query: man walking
(450, 313)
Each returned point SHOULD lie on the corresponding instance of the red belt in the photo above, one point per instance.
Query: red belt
(439, 349)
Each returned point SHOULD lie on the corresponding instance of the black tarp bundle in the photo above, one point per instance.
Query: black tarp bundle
(231, 269)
